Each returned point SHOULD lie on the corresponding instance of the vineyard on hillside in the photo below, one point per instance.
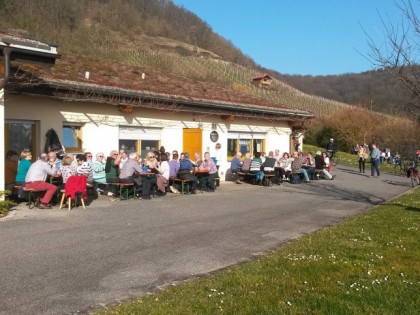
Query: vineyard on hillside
(225, 74)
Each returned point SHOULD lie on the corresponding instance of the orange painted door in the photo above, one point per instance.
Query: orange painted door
(193, 141)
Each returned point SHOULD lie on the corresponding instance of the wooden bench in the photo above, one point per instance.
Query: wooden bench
(185, 185)
(126, 190)
(267, 179)
(248, 177)
(33, 196)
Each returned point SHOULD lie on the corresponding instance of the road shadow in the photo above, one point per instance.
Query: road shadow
(407, 208)
(340, 193)
(397, 183)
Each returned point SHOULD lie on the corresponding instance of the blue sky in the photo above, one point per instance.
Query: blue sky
(315, 37)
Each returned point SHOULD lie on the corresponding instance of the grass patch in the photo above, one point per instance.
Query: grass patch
(368, 264)
(6, 204)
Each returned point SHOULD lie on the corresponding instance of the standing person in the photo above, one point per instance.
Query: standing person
(10, 169)
(374, 161)
(362, 153)
(218, 155)
(35, 179)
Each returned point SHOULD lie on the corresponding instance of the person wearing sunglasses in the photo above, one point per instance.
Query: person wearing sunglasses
(98, 171)
(112, 170)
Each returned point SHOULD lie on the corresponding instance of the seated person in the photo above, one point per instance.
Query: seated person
(129, 174)
(320, 165)
(112, 171)
(255, 168)
(235, 166)
(297, 166)
(99, 174)
(308, 163)
(66, 170)
(185, 173)
(285, 164)
(173, 165)
(246, 163)
(36, 179)
(151, 162)
(22, 170)
(162, 179)
(197, 159)
(269, 164)
(83, 167)
(208, 165)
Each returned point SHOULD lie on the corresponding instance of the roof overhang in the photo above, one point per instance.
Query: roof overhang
(76, 91)
(28, 51)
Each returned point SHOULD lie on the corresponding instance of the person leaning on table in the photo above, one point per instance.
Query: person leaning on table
(129, 174)
(35, 179)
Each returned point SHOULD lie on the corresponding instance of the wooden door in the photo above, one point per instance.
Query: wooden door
(193, 141)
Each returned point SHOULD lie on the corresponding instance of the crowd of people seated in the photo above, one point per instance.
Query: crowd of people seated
(158, 172)
(276, 168)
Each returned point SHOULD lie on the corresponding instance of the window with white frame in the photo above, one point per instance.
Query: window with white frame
(245, 142)
(139, 139)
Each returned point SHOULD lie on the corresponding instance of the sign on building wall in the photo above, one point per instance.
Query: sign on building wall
(214, 136)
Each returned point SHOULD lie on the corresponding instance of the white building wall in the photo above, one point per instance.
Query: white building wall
(2, 153)
(101, 125)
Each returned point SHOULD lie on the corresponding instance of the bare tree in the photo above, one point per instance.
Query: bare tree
(400, 52)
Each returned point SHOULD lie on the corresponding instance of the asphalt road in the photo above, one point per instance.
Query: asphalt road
(60, 262)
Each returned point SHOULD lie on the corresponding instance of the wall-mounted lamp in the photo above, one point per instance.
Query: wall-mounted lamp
(128, 109)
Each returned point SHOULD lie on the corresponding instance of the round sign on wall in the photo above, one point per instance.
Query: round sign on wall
(214, 136)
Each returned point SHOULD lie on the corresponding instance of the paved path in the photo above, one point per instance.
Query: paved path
(60, 262)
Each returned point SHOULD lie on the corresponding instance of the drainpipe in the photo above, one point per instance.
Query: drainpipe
(3, 82)
(6, 54)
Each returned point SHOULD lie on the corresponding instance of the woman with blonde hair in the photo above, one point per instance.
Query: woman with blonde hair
(150, 161)
(23, 167)
(66, 168)
(22, 170)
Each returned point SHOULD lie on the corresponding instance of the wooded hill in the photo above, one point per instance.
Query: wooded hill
(157, 34)
(376, 90)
